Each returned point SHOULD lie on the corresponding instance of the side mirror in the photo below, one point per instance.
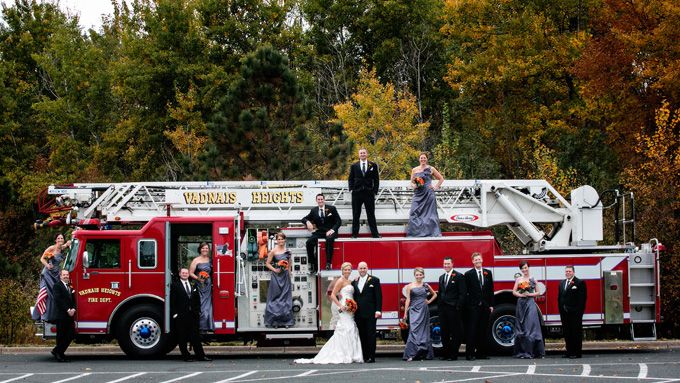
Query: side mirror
(86, 260)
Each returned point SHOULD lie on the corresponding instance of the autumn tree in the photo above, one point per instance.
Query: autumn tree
(384, 120)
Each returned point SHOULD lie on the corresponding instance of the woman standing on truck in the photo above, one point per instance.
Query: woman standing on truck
(201, 271)
(279, 310)
(423, 219)
(51, 259)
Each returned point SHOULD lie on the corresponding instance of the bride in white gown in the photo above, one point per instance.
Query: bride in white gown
(344, 346)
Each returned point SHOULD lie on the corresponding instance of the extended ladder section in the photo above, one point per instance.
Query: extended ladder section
(540, 217)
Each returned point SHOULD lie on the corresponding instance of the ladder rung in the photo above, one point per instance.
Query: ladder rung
(643, 303)
(642, 285)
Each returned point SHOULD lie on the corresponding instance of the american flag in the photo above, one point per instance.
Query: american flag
(41, 303)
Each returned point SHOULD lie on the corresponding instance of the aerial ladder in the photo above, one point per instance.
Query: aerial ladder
(541, 218)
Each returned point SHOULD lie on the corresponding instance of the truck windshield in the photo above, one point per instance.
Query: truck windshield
(70, 260)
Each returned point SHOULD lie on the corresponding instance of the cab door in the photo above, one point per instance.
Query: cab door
(101, 284)
(224, 232)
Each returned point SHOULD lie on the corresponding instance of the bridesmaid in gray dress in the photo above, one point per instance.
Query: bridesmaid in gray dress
(51, 260)
(419, 344)
(279, 310)
(201, 271)
(423, 219)
(528, 336)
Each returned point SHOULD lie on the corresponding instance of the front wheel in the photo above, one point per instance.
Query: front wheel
(501, 334)
(140, 333)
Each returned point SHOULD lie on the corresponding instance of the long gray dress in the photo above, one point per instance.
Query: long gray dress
(279, 311)
(205, 321)
(418, 345)
(47, 280)
(423, 220)
(528, 338)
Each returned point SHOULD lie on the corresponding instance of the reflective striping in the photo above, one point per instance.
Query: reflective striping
(127, 377)
(237, 377)
(182, 377)
(17, 378)
(92, 325)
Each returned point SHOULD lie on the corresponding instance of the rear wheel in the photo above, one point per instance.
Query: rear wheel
(140, 333)
(501, 334)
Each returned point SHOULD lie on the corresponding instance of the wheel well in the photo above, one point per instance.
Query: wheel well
(124, 306)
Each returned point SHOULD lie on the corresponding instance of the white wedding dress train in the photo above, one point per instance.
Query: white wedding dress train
(344, 346)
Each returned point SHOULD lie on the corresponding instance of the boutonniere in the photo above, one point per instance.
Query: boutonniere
(571, 283)
(486, 273)
(369, 278)
(453, 274)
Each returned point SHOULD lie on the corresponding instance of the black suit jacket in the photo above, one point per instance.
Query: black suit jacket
(454, 293)
(331, 219)
(370, 299)
(573, 298)
(64, 300)
(360, 182)
(475, 294)
(181, 304)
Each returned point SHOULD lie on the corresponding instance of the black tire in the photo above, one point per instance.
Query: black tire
(501, 333)
(140, 332)
(435, 334)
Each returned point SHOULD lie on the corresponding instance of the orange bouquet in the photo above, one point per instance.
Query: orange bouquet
(283, 264)
(524, 287)
(403, 324)
(420, 182)
(351, 305)
(49, 255)
(203, 275)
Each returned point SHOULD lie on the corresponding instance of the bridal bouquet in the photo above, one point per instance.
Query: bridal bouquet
(351, 305)
(420, 182)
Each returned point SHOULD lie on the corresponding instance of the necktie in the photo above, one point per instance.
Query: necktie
(481, 280)
(446, 279)
(186, 287)
(363, 168)
(566, 283)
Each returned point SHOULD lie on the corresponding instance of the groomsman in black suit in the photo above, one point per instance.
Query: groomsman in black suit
(364, 181)
(185, 308)
(452, 293)
(65, 302)
(323, 221)
(572, 303)
(368, 295)
(479, 283)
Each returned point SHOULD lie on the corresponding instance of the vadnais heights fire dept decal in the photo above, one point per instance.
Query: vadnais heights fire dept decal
(243, 197)
(99, 290)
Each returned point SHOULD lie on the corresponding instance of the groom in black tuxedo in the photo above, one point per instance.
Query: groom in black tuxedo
(368, 295)
(185, 308)
(364, 181)
(479, 284)
(323, 221)
(572, 303)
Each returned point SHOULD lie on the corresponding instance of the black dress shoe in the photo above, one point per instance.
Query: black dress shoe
(377, 236)
(370, 360)
(482, 357)
(328, 266)
(188, 359)
(469, 358)
(565, 356)
(354, 236)
(204, 359)
(573, 356)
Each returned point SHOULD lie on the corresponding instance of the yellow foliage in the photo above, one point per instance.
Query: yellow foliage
(545, 167)
(190, 133)
(383, 120)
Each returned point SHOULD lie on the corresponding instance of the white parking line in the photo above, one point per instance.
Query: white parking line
(306, 373)
(237, 377)
(72, 378)
(182, 377)
(17, 378)
(643, 371)
(586, 370)
(484, 377)
(127, 377)
(476, 369)
(531, 369)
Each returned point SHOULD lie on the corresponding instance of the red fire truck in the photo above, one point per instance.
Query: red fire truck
(132, 238)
